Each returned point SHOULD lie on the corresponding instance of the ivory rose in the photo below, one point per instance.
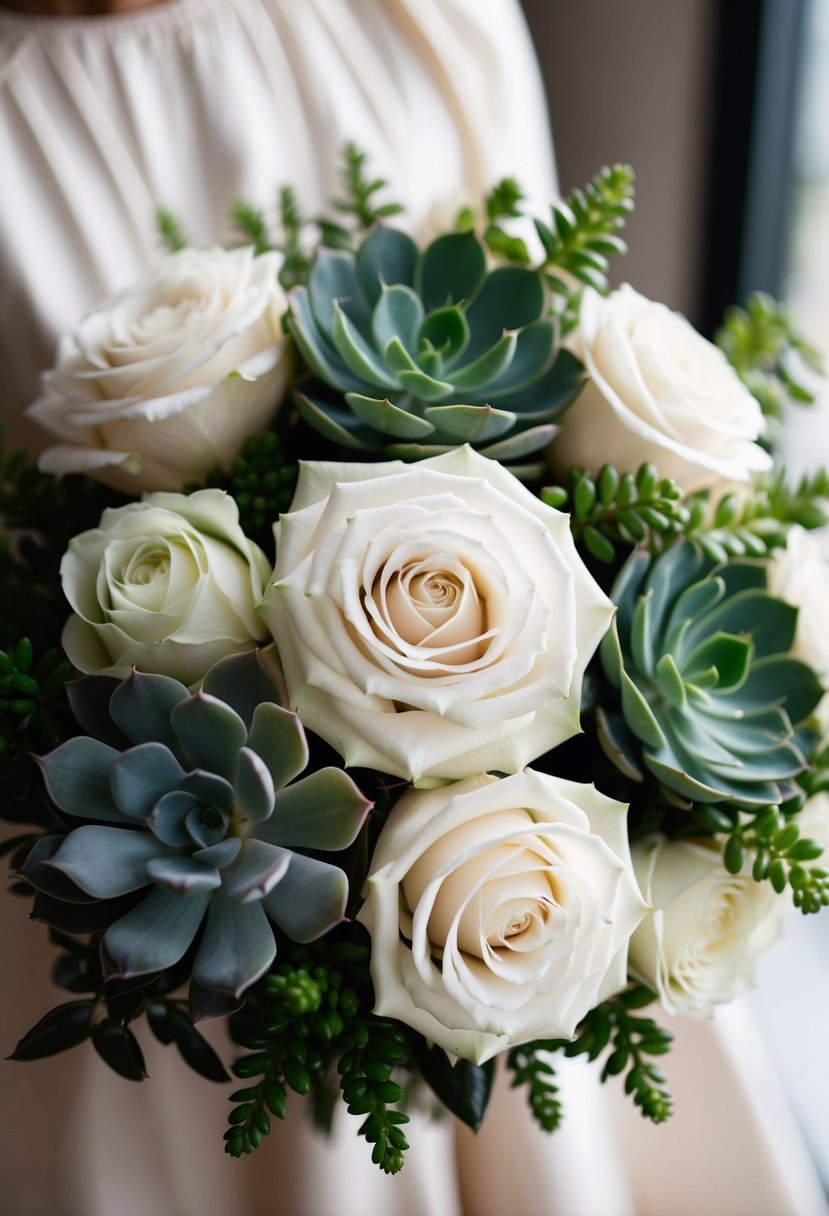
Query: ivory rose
(432, 619)
(169, 585)
(164, 383)
(700, 946)
(657, 391)
(500, 910)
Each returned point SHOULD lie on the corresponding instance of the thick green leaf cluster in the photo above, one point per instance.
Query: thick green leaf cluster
(430, 349)
(313, 1016)
(709, 695)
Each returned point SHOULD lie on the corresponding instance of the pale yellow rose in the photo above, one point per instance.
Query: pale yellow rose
(169, 585)
(500, 910)
(164, 383)
(657, 391)
(432, 619)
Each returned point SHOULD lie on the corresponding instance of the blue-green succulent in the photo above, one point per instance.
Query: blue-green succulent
(711, 699)
(196, 804)
(431, 349)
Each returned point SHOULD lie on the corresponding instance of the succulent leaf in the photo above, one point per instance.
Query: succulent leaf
(254, 787)
(244, 681)
(276, 735)
(386, 256)
(184, 874)
(140, 776)
(156, 933)
(44, 877)
(709, 696)
(210, 734)
(256, 871)
(309, 900)
(237, 948)
(141, 707)
(106, 862)
(322, 811)
(77, 776)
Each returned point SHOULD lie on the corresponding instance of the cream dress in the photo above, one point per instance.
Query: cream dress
(193, 104)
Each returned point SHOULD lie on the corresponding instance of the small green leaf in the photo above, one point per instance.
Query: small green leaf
(61, 1028)
(463, 1087)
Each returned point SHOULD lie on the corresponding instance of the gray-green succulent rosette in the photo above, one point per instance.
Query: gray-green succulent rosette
(431, 349)
(198, 805)
(711, 699)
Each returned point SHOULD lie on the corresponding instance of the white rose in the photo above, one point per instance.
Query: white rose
(500, 910)
(657, 391)
(164, 383)
(169, 585)
(799, 574)
(700, 946)
(432, 619)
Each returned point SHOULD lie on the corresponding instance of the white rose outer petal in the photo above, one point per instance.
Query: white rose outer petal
(657, 391)
(700, 945)
(408, 707)
(541, 865)
(163, 384)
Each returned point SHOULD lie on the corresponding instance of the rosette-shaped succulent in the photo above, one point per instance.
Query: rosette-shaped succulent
(710, 695)
(197, 805)
(431, 349)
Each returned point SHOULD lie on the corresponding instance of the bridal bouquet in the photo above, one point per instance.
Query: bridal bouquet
(413, 657)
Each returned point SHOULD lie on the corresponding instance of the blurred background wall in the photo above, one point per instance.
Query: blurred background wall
(635, 82)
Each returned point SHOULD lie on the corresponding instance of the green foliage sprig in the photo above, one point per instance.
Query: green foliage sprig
(503, 203)
(104, 1010)
(252, 225)
(358, 203)
(296, 260)
(764, 345)
(311, 1016)
(585, 230)
(779, 855)
(645, 509)
(631, 1037)
(622, 508)
(530, 1066)
(171, 230)
(615, 1024)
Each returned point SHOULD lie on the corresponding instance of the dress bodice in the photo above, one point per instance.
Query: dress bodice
(193, 104)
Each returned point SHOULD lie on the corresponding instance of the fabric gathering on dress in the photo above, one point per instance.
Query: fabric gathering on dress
(192, 105)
